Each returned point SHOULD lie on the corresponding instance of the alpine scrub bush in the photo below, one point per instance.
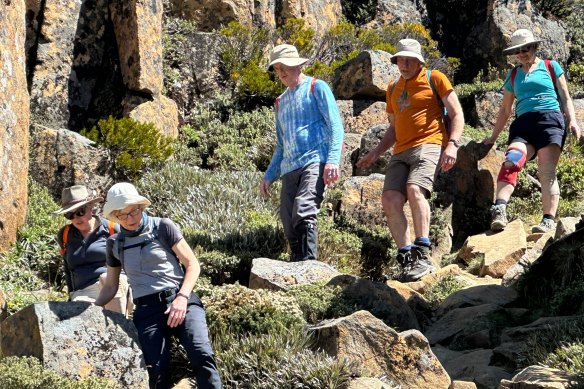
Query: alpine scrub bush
(134, 145)
(443, 288)
(320, 302)
(28, 373)
(219, 268)
(340, 249)
(236, 309)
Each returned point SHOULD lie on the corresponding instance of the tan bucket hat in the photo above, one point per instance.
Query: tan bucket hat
(75, 197)
(119, 196)
(408, 48)
(287, 55)
(520, 38)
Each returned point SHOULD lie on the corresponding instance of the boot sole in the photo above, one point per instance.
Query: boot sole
(429, 270)
(498, 226)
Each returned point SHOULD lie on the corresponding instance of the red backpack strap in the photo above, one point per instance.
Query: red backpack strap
(312, 82)
(513, 75)
(550, 68)
(65, 238)
(111, 226)
(277, 103)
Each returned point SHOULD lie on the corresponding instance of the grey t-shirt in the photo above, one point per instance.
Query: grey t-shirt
(150, 264)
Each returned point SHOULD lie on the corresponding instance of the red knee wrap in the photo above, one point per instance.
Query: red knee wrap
(509, 174)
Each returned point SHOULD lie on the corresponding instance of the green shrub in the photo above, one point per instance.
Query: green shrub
(174, 33)
(320, 302)
(443, 288)
(569, 357)
(359, 12)
(569, 300)
(555, 8)
(278, 360)
(338, 248)
(239, 310)
(28, 373)
(219, 267)
(134, 145)
(295, 32)
(33, 262)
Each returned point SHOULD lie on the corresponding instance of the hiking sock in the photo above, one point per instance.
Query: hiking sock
(405, 249)
(548, 216)
(500, 202)
(423, 241)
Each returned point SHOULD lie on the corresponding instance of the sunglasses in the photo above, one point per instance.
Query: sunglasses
(79, 213)
(124, 216)
(523, 50)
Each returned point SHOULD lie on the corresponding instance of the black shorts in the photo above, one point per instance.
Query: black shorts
(539, 129)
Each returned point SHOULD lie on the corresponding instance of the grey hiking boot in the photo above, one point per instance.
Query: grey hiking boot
(420, 264)
(544, 226)
(499, 217)
(405, 261)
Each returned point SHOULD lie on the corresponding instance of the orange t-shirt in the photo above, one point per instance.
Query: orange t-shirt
(417, 112)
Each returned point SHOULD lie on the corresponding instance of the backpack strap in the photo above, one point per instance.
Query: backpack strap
(312, 83)
(513, 75)
(434, 91)
(65, 239)
(111, 227)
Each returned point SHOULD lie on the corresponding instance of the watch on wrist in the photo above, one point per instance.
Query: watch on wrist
(181, 294)
(455, 142)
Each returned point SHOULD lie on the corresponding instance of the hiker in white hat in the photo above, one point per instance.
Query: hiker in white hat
(82, 243)
(162, 271)
(421, 142)
(538, 88)
(309, 134)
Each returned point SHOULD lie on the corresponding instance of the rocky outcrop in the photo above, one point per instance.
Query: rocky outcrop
(361, 199)
(160, 111)
(406, 357)
(395, 11)
(350, 154)
(278, 275)
(360, 115)
(77, 340)
(365, 77)
(514, 272)
(63, 158)
(369, 141)
(539, 377)
(368, 383)
(14, 121)
(478, 295)
(320, 15)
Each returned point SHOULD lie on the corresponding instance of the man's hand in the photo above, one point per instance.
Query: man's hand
(368, 159)
(448, 157)
(265, 188)
(330, 174)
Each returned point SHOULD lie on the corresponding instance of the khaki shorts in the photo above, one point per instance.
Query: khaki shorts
(122, 302)
(417, 166)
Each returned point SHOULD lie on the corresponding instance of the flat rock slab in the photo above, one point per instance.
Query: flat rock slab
(279, 275)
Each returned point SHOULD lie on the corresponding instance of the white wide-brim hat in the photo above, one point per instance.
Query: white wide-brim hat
(520, 38)
(119, 197)
(287, 55)
(408, 48)
(75, 197)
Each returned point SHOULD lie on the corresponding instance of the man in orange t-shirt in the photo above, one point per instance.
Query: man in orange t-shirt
(420, 143)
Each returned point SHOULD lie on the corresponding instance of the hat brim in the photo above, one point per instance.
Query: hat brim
(406, 54)
(120, 203)
(288, 62)
(511, 49)
(75, 206)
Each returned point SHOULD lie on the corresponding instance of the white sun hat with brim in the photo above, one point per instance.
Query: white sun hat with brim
(120, 196)
(408, 48)
(75, 197)
(520, 38)
(286, 55)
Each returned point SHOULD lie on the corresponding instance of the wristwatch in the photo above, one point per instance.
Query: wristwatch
(455, 142)
(181, 294)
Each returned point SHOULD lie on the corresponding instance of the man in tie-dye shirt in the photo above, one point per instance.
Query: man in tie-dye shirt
(309, 134)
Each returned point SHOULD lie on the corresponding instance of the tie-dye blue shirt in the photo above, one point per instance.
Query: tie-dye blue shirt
(309, 129)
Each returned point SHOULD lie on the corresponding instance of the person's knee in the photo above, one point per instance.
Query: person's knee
(548, 179)
(417, 193)
(514, 162)
(392, 203)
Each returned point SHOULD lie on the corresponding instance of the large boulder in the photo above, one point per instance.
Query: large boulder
(320, 15)
(478, 295)
(540, 377)
(365, 77)
(14, 121)
(160, 111)
(390, 12)
(138, 29)
(77, 340)
(369, 141)
(279, 275)
(360, 115)
(406, 357)
(63, 158)
(361, 199)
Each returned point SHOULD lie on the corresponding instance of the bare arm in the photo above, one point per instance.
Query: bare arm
(110, 287)
(568, 107)
(504, 112)
(177, 310)
(387, 141)
(452, 104)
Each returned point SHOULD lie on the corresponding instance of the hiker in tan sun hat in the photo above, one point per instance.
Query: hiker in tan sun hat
(82, 243)
(421, 142)
(309, 134)
(538, 88)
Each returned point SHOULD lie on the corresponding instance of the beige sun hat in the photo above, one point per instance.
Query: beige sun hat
(287, 55)
(75, 197)
(408, 48)
(520, 38)
(119, 196)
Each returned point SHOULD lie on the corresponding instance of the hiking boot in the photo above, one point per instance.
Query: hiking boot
(499, 217)
(544, 226)
(420, 264)
(405, 261)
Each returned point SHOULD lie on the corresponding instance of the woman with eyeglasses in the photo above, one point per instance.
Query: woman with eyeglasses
(83, 243)
(162, 271)
(538, 88)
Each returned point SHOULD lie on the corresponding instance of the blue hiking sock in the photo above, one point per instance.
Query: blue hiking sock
(423, 241)
(405, 249)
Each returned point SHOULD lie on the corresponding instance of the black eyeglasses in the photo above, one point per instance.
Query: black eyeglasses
(80, 212)
(523, 50)
(132, 213)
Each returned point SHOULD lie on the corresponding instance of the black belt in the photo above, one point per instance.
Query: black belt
(155, 297)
